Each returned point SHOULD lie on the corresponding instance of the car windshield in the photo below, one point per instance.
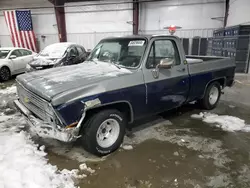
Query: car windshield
(121, 51)
(54, 50)
(4, 53)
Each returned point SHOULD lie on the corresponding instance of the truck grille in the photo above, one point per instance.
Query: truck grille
(34, 103)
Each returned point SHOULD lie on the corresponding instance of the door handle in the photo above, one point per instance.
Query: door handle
(181, 70)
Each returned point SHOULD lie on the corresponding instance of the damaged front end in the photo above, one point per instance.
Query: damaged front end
(47, 122)
(48, 130)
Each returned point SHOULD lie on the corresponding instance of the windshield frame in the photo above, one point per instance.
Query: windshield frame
(128, 38)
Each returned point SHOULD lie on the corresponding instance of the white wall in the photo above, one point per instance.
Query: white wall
(239, 12)
(189, 14)
(44, 21)
(98, 18)
(87, 25)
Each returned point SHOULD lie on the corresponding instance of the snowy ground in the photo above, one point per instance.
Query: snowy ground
(225, 122)
(22, 162)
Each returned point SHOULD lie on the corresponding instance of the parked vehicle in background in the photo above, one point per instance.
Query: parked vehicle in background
(13, 61)
(58, 54)
(124, 79)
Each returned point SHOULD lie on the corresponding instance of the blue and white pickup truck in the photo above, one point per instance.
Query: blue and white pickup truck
(123, 79)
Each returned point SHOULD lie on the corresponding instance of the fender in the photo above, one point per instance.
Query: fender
(95, 104)
(219, 78)
(113, 103)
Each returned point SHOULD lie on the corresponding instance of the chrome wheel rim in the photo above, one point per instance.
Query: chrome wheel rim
(108, 133)
(213, 95)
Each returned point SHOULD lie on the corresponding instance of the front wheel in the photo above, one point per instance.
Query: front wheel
(103, 133)
(212, 96)
(5, 74)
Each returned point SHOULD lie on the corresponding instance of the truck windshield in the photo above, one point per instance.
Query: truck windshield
(121, 51)
(4, 53)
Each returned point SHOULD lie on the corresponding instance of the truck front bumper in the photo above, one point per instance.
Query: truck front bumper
(44, 129)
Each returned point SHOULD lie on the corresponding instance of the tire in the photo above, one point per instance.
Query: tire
(5, 74)
(212, 96)
(103, 133)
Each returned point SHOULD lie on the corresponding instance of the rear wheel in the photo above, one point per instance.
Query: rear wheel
(5, 74)
(103, 133)
(212, 96)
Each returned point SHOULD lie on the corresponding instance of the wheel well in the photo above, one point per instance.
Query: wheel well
(6, 67)
(123, 107)
(222, 82)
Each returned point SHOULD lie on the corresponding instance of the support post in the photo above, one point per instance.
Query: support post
(60, 19)
(135, 17)
(226, 12)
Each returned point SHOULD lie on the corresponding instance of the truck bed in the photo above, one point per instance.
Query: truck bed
(198, 64)
(204, 69)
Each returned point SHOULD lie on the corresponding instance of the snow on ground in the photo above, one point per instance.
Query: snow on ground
(225, 122)
(8, 90)
(127, 147)
(23, 164)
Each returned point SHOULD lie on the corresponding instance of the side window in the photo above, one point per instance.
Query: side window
(79, 49)
(73, 51)
(17, 53)
(25, 52)
(162, 49)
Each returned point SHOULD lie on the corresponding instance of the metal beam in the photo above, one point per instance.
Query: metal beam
(122, 2)
(226, 12)
(60, 19)
(135, 17)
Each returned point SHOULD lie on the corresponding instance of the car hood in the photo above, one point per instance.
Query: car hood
(51, 82)
(43, 61)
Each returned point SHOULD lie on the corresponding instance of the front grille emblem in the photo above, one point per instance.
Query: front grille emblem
(26, 100)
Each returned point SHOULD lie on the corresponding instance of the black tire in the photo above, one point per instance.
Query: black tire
(90, 129)
(205, 102)
(5, 74)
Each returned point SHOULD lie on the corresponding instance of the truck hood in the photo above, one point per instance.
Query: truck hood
(51, 82)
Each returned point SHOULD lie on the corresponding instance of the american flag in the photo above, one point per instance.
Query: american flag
(21, 29)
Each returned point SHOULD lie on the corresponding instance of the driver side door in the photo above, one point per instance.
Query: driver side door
(167, 88)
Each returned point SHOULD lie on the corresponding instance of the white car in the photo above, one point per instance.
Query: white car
(13, 61)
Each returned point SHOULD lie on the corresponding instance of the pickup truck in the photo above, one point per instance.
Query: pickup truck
(123, 79)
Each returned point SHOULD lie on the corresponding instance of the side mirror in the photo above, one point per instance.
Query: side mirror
(166, 63)
(13, 57)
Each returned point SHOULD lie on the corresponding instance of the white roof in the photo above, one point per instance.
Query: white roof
(62, 44)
